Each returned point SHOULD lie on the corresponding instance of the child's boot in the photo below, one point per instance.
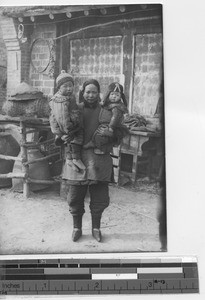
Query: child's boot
(72, 165)
(79, 164)
(98, 151)
(77, 228)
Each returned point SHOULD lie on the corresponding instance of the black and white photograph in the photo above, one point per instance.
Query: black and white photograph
(82, 129)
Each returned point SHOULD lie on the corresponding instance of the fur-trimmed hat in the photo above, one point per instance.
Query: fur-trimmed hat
(63, 77)
(115, 87)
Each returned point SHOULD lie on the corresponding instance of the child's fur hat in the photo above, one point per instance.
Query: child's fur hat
(115, 87)
(63, 77)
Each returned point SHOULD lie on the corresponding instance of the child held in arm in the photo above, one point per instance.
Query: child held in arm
(65, 120)
(110, 128)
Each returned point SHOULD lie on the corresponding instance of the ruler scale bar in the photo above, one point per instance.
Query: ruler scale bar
(99, 276)
(102, 285)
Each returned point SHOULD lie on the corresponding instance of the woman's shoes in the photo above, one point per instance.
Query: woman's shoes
(97, 234)
(77, 233)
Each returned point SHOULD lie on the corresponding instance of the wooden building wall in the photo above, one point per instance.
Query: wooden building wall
(113, 46)
(124, 49)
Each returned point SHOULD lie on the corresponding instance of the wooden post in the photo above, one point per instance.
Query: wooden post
(24, 156)
(128, 64)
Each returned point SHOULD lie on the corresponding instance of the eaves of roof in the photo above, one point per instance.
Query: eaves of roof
(27, 11)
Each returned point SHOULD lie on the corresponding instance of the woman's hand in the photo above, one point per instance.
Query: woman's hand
(105, 131)
(67, 138)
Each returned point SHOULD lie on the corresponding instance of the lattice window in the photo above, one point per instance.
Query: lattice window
(98, 58)
(147, 73)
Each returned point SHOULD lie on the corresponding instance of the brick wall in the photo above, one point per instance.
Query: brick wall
(19, 67)
(40, 54)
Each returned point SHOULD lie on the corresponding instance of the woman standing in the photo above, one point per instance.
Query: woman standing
(98, 171)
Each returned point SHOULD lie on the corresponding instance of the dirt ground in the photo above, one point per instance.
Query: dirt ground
(42, 223)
